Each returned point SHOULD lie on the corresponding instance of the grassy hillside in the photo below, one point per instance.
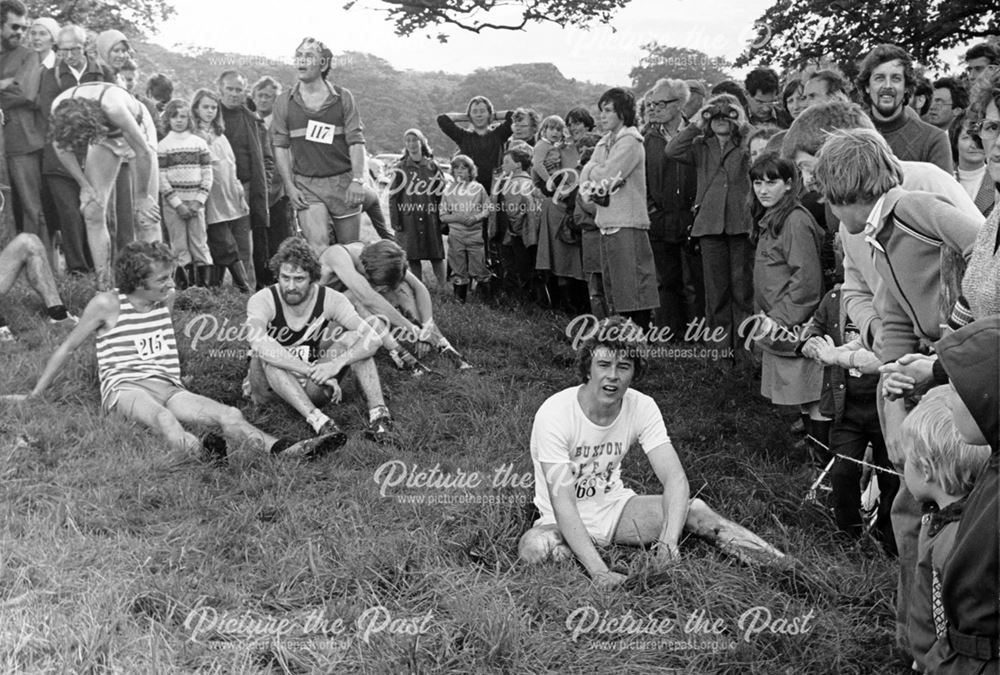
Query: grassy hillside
(120, 557)
(391, 100)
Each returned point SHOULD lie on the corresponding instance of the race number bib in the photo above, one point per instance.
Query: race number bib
(592, 480)
(320, 132)
(301, 352)
(151, 346)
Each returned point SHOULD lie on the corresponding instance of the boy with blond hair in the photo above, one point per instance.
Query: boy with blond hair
(940, 471)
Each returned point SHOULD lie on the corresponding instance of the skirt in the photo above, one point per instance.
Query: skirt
(628, 272)
(560, 258)
(790, 380)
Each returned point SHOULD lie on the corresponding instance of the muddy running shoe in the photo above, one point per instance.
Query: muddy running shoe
(214, 449)
(380, 431)
(452, 355)
(309, 448)
(331, 429)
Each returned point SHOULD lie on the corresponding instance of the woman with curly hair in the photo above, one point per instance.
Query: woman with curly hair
(94, 128)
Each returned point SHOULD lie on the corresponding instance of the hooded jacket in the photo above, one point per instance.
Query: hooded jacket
(969, 585)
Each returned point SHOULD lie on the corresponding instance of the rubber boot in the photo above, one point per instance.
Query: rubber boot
(215, 274)
(239, 272)
(181, 278)
(461, 292)
(203, 275)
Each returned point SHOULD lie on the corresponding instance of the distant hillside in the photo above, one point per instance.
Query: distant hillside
(391, 100)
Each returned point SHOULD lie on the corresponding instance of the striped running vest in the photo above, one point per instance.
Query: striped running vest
(303, 343)
(141, 345)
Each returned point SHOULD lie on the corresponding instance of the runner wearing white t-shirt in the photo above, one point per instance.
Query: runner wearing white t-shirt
(578, 440)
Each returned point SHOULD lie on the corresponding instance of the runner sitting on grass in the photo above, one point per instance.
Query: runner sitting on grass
(303, 339)
(27, 253)
(139, 368)
(579, 438)
(376, 280)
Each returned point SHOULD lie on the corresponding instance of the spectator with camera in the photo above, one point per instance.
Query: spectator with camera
(713, 143)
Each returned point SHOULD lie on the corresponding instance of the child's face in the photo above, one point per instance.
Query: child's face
(770, 191)
(207, 109)
(180, 120)
(460, 172)
(553, 134)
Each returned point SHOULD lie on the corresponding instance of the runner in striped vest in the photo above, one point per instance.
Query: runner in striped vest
(139, 368)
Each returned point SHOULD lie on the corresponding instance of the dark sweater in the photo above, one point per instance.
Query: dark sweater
(914, 140)
(484, 150)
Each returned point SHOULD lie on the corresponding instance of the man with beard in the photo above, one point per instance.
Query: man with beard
(887, 80)
(24, 134)
(303, 338)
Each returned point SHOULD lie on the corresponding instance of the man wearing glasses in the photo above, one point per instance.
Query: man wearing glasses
(23, 132)
(73, 68)
(670, 192)
(762, 86)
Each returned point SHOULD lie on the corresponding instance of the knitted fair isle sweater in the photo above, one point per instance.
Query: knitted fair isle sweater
(185, 168)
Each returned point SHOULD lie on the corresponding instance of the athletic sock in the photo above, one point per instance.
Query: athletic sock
(377, 412)
(317, 419)
(57, 312)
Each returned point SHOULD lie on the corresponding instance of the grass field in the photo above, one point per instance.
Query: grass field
(119, 557)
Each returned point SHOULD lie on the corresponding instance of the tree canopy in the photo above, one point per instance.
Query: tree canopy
(677, 63)
(796, 32)
(412, 16)
(135, 18)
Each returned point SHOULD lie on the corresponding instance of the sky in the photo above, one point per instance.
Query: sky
(719, 28)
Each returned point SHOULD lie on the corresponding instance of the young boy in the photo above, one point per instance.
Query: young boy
(850, 384)
(578, 440)
(969, 585)
(940, 471)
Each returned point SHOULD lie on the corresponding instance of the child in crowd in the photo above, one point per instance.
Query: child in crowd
(941, 469)
(758, 139)
(227, 212)
(787, 285)
(552, 153)
(464, 208)
(850, 386)
(584, 214)
(185, 182)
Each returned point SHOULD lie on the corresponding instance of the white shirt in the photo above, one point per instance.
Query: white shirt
(588, 454)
